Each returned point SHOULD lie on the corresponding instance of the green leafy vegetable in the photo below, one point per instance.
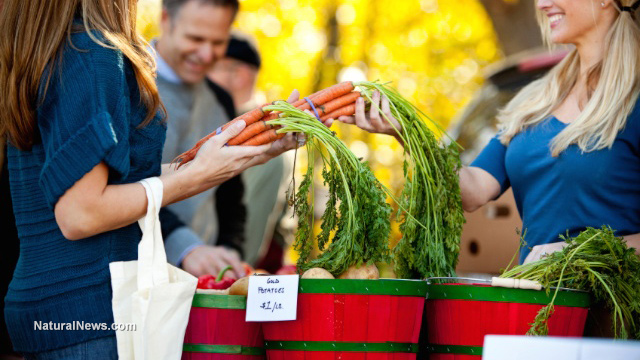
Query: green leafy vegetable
(430, 208)
(357, 213)
(596, 261)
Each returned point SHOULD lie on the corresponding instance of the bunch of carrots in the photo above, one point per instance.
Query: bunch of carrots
(356, 220)
(430, 210)
(330, 103)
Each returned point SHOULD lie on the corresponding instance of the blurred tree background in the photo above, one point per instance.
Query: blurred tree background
(431, 50)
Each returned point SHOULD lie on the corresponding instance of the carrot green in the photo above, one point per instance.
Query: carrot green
(356, 222)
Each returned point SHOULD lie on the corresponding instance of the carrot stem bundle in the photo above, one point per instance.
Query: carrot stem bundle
(356, 218)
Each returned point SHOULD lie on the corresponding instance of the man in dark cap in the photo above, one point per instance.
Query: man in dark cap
(237, 72)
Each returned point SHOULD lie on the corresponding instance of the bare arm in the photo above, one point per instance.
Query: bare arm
(477, 187)
(633, 241)
(91, 206)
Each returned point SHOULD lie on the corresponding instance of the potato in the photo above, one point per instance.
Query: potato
(240, 287)
(365, 272)
(317, 273)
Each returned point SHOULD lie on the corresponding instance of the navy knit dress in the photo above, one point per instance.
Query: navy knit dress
(90, 114)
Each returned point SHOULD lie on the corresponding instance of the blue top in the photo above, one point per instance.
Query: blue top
(90, 114)
(572, 191)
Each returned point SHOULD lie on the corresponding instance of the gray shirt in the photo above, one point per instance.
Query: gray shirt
(192, 113)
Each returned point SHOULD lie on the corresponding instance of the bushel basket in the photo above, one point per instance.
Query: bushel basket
(217, 330)
(458, 316)
(350, 320)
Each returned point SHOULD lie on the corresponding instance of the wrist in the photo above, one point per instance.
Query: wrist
(181, 184)
(186, 252)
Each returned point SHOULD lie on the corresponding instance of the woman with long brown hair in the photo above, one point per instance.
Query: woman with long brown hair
(569, 143)
(84, 124)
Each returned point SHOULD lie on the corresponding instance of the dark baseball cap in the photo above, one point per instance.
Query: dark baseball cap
(244, 51)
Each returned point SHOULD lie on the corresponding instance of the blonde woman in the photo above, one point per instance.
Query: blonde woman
(569, 144)
(84, 124)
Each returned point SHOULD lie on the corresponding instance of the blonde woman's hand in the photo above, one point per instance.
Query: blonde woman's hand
(374, 121)
(538, 251)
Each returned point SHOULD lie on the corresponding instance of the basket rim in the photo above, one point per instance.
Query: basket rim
(223, 349)
(395, 287)
(481, 292)
(216, 301)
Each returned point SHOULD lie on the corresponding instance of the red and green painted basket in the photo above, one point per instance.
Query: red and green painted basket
(350, 320)
(217, 330)
(458, 316)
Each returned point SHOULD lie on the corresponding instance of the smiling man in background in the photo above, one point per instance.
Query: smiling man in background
(195, 34)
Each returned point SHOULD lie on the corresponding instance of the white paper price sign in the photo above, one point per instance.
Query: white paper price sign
(272, 298)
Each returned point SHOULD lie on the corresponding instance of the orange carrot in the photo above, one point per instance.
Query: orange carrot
(322, 108)
(264, 137)
(249, 132)
(249, 118)
(318, 98)
(297, 104)
(272, 116)
(302, 101)
(324, 96)
(347, 110)
(337, 103)
(185, 157)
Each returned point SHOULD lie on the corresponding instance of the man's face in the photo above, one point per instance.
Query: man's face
(195, 38)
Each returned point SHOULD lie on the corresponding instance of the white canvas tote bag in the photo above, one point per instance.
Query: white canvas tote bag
(150, 293)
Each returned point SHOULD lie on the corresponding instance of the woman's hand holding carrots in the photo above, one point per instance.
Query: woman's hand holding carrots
(377, 120)
(283, 143)
(215, 162)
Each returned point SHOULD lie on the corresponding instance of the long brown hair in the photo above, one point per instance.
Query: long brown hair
(32, 35)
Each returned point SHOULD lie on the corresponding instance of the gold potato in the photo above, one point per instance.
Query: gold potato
(317, 273)
(240, 287)
(365, 272)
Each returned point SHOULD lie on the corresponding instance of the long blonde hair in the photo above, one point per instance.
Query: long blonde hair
(613, 87)
(32, 36)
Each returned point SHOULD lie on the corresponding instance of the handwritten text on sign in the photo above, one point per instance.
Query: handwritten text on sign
(272, 298)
